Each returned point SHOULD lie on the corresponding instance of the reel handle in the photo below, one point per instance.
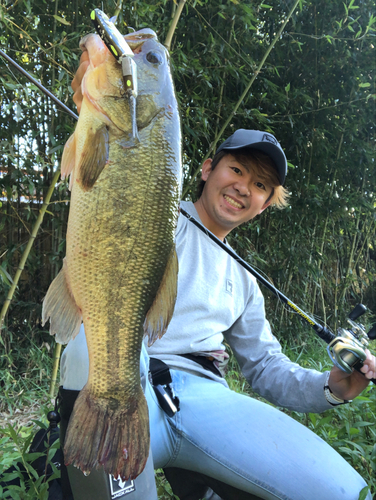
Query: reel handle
(358, 310)
(347, 354)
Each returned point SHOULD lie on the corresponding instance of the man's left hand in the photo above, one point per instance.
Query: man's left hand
(348, 386)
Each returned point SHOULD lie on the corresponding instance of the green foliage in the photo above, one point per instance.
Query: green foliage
(18, 463)
(164, 490)
(25, 369)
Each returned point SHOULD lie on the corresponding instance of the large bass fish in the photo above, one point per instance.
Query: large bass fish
(120, 272)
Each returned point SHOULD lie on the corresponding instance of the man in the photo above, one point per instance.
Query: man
(240, 447)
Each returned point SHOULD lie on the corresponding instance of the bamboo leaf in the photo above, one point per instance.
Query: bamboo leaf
(61, 20)
(5, 276)
(363, 493)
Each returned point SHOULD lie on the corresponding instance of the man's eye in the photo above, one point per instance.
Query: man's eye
(236, 170)
(260, 185)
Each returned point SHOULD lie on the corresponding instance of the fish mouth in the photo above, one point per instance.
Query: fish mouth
(234, 203)
(136, 39)
(104, 105)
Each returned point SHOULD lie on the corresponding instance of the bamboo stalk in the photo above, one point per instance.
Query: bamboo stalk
(173, 25)
(26, 252)
(365, 242)
(57, 352)
(326, 224)
(118, 8)
(222, 89)
(353, 246)
(323, 304)
(336, 295)
(276, 38)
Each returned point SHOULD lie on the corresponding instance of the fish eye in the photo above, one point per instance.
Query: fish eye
(154, 58)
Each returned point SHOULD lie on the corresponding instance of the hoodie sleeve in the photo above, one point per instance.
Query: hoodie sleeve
(269, 372)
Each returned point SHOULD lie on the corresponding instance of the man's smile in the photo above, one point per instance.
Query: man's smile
(232, 202)
(233, 194)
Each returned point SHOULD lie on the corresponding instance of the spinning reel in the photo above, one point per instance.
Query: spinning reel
(347, 350)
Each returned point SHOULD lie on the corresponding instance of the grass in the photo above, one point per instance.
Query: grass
(24, 401)
(15, 444)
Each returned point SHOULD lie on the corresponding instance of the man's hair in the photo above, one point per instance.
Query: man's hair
(260, 163)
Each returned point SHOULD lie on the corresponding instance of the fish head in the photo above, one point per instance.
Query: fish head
(155, 86)
(103, 86)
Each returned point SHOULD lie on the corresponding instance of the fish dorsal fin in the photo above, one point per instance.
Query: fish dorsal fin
(69, 157)
(60, 307)
(94, 155)
(160, 312)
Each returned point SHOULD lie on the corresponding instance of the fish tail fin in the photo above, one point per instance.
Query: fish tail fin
(161, 311)
(105, 433)
(60, 307)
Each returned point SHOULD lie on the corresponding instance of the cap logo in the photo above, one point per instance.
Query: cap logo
(269, 138)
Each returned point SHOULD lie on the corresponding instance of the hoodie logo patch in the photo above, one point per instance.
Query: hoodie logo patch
(229, 286)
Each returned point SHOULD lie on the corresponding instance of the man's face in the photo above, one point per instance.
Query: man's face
(232, 195)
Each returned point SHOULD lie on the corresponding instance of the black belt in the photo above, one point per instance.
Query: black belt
(204, 362)
(161, 379)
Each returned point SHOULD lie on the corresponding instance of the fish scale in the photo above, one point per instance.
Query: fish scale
(120, 271)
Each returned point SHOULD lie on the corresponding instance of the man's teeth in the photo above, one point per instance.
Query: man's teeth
(233, 202)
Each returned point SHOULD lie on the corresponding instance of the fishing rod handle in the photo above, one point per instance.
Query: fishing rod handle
(358, 366)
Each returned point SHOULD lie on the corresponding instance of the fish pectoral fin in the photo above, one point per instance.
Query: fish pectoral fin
(161, 311)
(68, 158)
(94, 156)
(60, 307)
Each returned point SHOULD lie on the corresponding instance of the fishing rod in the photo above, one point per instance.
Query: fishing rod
(39, 85)
(119, 48)
(322, 331)
(347, 350)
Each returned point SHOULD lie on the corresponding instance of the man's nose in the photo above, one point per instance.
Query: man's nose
(242, 187)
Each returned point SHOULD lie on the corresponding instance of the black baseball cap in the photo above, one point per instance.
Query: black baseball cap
(262, 141)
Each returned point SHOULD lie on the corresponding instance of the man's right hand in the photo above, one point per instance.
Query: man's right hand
(76, 82)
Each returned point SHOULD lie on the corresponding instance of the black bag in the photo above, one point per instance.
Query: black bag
(38, 445)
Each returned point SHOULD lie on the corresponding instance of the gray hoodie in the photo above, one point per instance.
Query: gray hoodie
(218, 300)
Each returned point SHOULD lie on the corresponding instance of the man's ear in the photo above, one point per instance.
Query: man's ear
(206, 169)
(266, 204)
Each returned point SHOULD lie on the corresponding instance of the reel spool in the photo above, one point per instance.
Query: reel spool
(347, 350)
